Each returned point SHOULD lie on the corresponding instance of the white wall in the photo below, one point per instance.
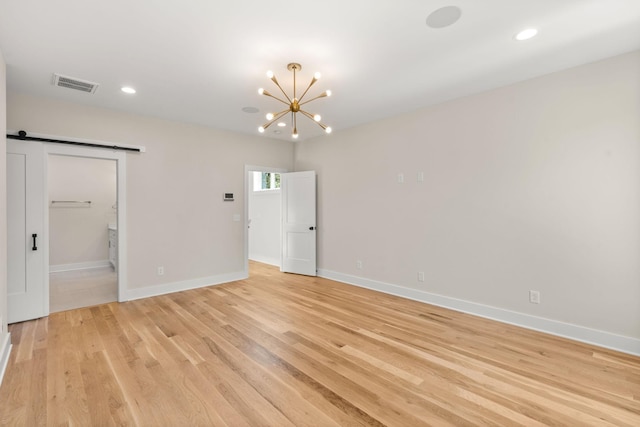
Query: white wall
(176, 217)
(264, 231)
(533, 186)
(4, 335)
(78, 232)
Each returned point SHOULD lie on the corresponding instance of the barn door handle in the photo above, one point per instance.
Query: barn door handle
(35, 245)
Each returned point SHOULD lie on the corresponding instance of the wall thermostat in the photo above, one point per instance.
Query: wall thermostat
(228, 197)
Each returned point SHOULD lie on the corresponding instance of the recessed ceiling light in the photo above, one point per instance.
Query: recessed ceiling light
(526, 34)
(127, 89)
(250, 110)
(444, 17)
(282, 124)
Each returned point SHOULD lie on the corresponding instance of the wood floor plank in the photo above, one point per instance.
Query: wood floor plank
(284, 350)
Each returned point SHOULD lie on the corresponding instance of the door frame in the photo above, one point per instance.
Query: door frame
(247, 188)
(121, 200)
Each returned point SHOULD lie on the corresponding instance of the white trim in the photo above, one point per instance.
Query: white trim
(79, 266)
(168, 288)
(566, 330)
(5, 352)
(106, 144)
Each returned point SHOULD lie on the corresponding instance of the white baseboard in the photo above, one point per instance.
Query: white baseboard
(79, 266)
(5, 352)
(265, 260)
(168, 288)
(575, 332)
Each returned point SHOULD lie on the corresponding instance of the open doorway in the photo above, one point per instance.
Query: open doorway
(118, 230)
(263, 216)
(82, 207)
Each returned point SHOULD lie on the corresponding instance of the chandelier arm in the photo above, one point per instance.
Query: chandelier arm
(306, 113)
(295, 123)
(282, 113)
(313, 80)
(265, 93)
(322, 95)
(310, 116)
(276, 117)
(281, 90)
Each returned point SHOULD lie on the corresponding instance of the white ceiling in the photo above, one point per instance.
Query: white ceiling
(202, 61)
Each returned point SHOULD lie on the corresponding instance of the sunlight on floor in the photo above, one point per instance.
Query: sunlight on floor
(82, 288)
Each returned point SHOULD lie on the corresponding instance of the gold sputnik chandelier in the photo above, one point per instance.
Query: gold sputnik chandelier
(294, 104)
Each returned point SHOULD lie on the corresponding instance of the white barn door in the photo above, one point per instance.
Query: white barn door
(298, 193)
(27, 296)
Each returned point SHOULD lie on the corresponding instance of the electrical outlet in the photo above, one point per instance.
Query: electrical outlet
(420, 176)
(534, 297)
(400, 178)
(359, 264)
(420, 276)
(160, 271)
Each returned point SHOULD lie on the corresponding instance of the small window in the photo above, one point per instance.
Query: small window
(263, 181)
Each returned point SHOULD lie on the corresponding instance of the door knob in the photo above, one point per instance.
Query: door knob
(312, 228)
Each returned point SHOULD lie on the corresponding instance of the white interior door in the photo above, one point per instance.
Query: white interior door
(27, 296)
(298, 192)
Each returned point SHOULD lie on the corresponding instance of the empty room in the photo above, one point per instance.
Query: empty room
(387, 213)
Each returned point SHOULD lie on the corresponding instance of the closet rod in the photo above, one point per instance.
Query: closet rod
(22, 135)
(87, 202)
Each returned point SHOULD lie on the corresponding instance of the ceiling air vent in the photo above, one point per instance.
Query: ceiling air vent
(73, 83)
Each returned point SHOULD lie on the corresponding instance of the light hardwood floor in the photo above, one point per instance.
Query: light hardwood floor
(282, 350)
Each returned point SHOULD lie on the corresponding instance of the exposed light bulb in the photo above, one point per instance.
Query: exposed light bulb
(270, 74)
(269, 116)
(261, 91)
(328, 129)
(328, 92)
(317, 117)
(261, 129)
(317, 75)
(294, 135)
